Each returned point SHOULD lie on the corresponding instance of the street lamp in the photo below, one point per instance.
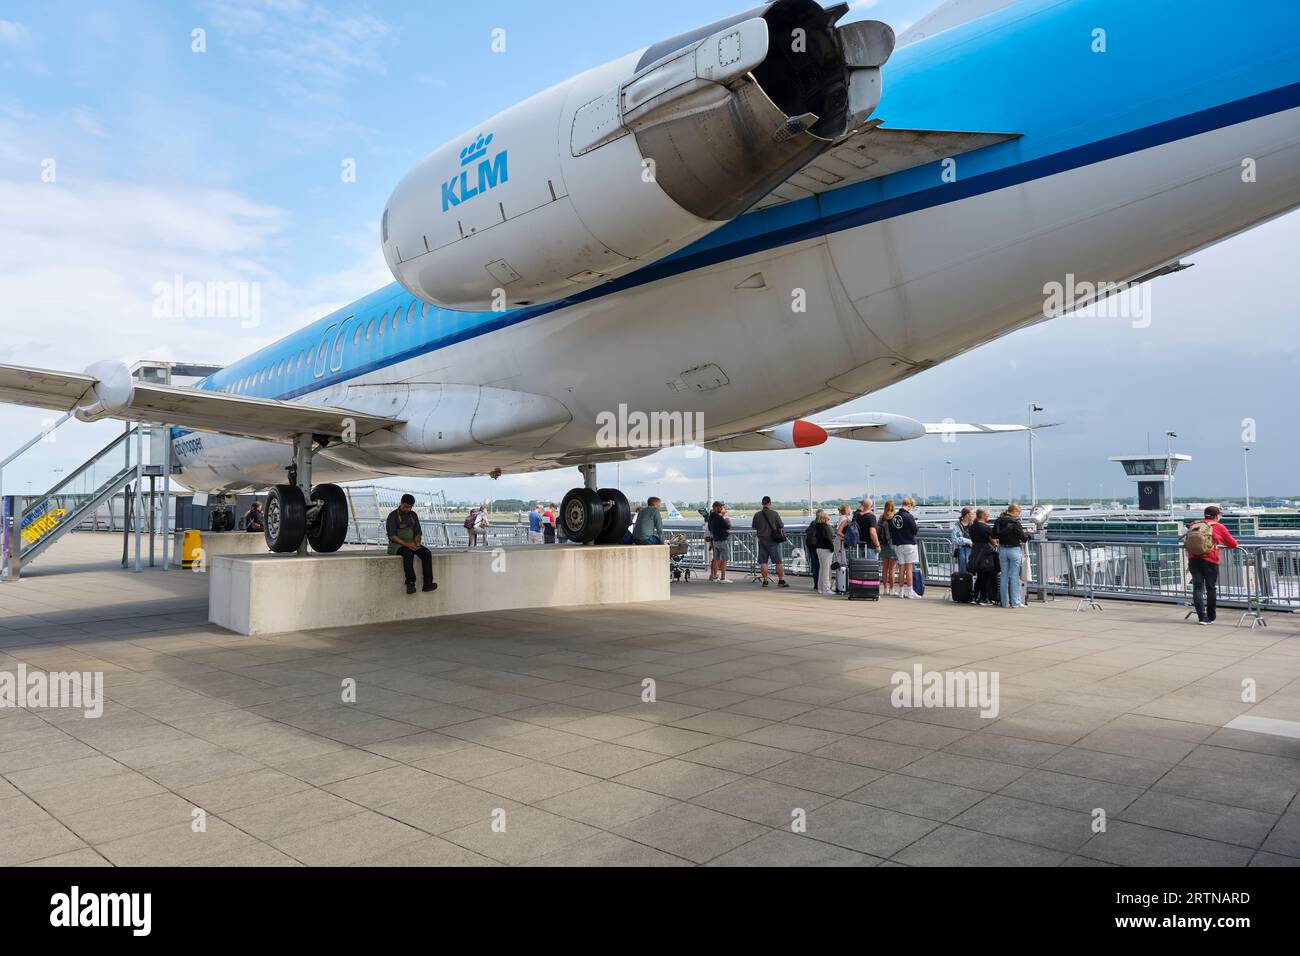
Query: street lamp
(1169, 466)
(810, 496)
(949, 470)
(1245, 464)
(1033, 487)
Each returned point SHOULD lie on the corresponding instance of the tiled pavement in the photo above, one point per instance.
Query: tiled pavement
(768, 704)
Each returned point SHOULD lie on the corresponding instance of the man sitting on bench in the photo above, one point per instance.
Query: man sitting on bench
(404, 538)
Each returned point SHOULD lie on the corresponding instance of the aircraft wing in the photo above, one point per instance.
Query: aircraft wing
(869, 426)
(957, 428)
(874, 151)
(107, 390)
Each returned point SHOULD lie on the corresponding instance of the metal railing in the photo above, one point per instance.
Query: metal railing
(1254, 578)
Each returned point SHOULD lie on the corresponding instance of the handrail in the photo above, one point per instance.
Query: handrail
(89, 463)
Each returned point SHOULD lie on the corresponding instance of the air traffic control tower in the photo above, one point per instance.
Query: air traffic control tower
(1154, 475)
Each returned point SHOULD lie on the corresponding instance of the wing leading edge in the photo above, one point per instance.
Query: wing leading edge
(107, 390)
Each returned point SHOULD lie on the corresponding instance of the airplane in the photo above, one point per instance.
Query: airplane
(742, 226)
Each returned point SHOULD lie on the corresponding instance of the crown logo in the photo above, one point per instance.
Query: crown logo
(475, 150)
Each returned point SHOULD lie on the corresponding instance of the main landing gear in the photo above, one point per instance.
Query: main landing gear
(298, 514)
(591, 515)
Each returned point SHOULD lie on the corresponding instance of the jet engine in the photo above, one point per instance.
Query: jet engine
(629, 162)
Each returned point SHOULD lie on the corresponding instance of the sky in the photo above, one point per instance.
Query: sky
(134, 149)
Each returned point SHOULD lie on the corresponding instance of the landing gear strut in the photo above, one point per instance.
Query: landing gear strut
(298, 514)
(594, 516)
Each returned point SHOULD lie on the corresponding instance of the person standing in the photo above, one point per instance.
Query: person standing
(535, 524)
(548, 525)
(983, 559)
(867, 533)
(406, 539)
(770, 530)
(960, 539)
(888, 556)
(824, 542)
(1202, 542)
(1011, 534)
(846, 534)
(902, 533)
(719, 532)
(810, 548)
(649, 527)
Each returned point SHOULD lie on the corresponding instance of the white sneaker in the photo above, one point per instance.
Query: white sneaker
(723, 581)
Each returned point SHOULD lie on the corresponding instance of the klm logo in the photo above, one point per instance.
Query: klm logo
(472, 180)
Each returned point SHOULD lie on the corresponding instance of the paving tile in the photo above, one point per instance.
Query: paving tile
(762, 801)
(348, 840)
(1026, 822)
(606, 804)
(780, 848)
(528, 834)
(1070, 792)
(534, 782)
(880, 754)
(832, 777)
(693, 833)
(386, 786)
(964, 771)
(953, 846)
(917, 796)
(1214, 821)
(738, 756)
(430, 851)
(281, 816)
(1130, 844)
(871, 830)
(677, 778)
(105, 824)
(668, 741)
(605, 760)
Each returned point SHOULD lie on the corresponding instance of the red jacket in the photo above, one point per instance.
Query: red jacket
(1222, 537)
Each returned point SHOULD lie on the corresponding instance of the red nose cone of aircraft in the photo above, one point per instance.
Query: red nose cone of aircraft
(808, 434)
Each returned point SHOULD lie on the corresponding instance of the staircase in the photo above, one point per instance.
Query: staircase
(40, 520)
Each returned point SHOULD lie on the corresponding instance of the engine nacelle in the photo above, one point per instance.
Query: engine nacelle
(629, 162)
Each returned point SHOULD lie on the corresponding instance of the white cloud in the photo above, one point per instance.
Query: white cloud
(11, 32)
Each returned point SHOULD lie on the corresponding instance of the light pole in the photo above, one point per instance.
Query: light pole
(1033, 487)
(956, 486)
(810, 497)
(868, 494)
(949, 470)
(974, 492)
(1245, 464)
(924, 497)
(1169, 466)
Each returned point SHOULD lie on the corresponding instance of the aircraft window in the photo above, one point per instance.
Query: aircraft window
(320, 356)
(424, 310)
(410, 314)
(338, 345)
(370, 329)
(356, 339)
(383, 320)
(397, 317)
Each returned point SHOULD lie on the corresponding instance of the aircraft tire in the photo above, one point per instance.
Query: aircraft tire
(286, 518)
(330, 529)
(618, 515)
(582, 515)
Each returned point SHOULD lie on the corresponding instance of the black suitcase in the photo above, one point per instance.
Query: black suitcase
(864, 579)
(963, 587)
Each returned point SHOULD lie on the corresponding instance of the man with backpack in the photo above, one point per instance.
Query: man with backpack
(770, 529)
(867, 534)
(1202, 543)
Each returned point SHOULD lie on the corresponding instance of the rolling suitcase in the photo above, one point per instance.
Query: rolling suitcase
(842, 579)
(863, 579)
(963, 587)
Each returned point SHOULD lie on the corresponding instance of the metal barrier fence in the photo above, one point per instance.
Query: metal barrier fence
(1253, 578)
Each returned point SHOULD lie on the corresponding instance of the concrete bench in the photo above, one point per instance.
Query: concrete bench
(271, 594)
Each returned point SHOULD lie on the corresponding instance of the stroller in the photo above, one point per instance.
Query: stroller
(678, 548)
